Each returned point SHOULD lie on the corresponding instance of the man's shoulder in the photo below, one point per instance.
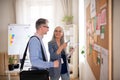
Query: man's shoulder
(34, 38)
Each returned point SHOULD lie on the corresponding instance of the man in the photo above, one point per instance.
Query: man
(36, 47)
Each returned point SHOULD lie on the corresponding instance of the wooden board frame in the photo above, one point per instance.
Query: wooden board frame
(105, 43)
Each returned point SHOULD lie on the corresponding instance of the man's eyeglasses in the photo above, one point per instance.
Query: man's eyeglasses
(46, 26)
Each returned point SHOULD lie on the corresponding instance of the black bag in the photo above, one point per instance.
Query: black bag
(33, 74)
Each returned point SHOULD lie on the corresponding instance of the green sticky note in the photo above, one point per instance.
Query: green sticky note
(102, 29)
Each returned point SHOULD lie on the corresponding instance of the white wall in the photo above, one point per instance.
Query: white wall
(116, 39)
(85, 71)
(7, 16)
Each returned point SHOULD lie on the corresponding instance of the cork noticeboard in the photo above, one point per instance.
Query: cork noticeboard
(97, 34)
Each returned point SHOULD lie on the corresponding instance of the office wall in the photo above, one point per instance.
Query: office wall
(116, 39)
(7, 16)
(85, 72)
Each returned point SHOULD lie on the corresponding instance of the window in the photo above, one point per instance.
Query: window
(28, 11)
(43, 10)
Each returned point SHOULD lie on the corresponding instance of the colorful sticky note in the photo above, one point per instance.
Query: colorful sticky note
(102, 31)
(11, 38)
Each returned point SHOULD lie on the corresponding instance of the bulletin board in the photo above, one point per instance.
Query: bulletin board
(97, 34)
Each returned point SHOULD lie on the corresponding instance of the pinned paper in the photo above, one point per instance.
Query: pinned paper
(97, 48)
(102, 31)
(104, 64)
(93, 8)
(103, 17)
(98, 24)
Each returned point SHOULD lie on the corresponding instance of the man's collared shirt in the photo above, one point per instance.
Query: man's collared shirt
(36, 58)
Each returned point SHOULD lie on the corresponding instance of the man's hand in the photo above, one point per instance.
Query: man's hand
(56, 63)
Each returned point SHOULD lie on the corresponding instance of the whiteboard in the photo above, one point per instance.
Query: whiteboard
(18, 36)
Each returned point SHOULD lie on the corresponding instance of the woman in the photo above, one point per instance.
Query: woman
(57, 52)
